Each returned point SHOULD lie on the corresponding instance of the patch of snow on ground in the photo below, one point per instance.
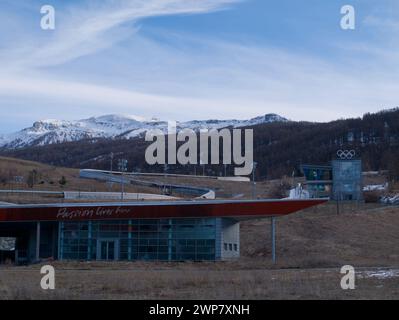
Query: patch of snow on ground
(376, 187)
(380, 274)
(394, 200)
(299, 193)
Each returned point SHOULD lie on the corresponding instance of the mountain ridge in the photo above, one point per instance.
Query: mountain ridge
(52, 131)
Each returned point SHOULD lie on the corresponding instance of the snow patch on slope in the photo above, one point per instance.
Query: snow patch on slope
(53, 131)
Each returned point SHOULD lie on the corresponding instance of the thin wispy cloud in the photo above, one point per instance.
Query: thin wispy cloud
(84, 31)
(105, 58)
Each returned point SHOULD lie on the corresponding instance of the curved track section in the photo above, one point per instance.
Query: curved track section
(131, 178)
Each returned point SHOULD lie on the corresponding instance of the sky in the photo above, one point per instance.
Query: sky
(196, 59)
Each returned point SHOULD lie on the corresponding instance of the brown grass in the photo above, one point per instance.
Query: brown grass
(195, 284)
(50, 176)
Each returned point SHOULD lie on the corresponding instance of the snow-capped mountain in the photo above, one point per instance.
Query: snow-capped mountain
(111, 126)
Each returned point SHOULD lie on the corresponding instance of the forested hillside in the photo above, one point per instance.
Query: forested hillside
(279, 148)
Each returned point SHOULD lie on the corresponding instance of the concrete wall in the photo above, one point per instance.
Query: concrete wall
(75, 195)
(230, 239)
(234, 179)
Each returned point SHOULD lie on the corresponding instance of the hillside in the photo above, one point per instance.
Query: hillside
(16, 174)
(279, 147)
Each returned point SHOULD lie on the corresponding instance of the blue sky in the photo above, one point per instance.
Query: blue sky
(196, 59)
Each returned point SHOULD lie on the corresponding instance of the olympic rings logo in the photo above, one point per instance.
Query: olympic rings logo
(346, 154)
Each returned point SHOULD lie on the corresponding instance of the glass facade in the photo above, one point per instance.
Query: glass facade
(317, 173)
(141, 239)
(318, 180)
(347, 180)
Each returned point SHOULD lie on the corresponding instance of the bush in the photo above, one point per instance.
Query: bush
(372, 196)
(280, 190)
(32, 178)
(3, 177)
(62, 181)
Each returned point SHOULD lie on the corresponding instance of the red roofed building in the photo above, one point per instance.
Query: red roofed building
(161, 230)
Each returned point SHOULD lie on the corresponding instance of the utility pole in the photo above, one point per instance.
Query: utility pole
(112, 160)
(293, 178)
(38, 241)
(165, 171)
(254, 164)
(122, 167)
(202, 165)
(225, 170)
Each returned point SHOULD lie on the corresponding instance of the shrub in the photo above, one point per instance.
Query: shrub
(280, 190)
(62, 181)
(372, 196)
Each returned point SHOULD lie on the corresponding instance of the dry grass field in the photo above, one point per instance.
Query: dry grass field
(48, 178)
(192, 282)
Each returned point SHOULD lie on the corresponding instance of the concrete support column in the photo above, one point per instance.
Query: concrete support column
(54, 240)
(38, 241)
(89, 240)
(129, 249)
(170, 237)
(273, 233)
(60, 240)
